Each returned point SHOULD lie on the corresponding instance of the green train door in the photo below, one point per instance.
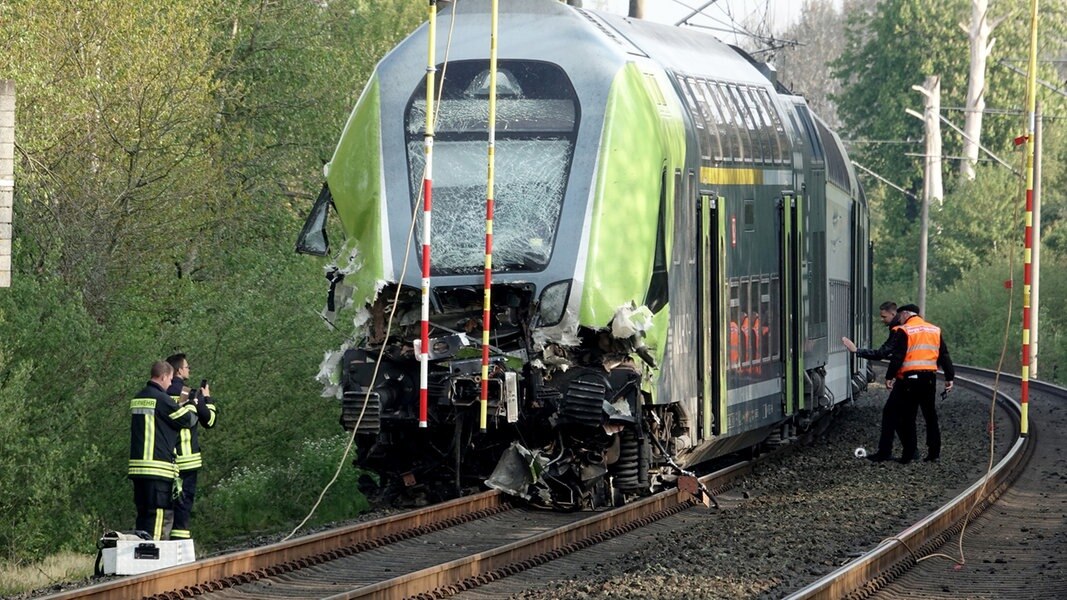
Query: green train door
(790, 256)
(711, 299)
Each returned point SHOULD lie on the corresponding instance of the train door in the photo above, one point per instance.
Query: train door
(711, 292)
(790, 257)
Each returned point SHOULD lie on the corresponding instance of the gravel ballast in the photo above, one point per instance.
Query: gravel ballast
(794, 520)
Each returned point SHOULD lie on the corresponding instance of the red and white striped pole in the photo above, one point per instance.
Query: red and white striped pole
(427, 205)
(486, 316)
(1031, 105)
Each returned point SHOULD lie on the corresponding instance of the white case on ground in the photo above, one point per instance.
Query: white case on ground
(125, 559)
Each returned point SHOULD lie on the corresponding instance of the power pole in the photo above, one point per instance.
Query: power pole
(933, 189)
(7, 176)
(637, 9)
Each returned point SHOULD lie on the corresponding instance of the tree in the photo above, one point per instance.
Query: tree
(981, 45)
(115, 153)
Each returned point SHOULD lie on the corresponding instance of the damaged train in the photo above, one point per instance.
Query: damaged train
(678, 241)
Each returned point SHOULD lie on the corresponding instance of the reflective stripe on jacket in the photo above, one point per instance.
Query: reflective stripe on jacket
(188, 446)
(155, 420)
(924, 341)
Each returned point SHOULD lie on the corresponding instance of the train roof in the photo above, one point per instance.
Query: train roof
(553, 31)
(683, 50)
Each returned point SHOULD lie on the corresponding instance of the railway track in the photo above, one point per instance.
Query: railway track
(431, 551)
(1012, 550)
(456, 546)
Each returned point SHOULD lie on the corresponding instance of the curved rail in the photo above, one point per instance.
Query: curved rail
(895, 555)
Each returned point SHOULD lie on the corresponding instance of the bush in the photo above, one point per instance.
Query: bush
(271, 497)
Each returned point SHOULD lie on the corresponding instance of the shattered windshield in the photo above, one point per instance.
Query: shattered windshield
(536, 124)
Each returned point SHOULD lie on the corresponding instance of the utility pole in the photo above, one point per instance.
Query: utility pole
(933, 188)
(637, 9)
(7, 176)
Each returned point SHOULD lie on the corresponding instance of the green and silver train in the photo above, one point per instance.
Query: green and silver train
(679, 245)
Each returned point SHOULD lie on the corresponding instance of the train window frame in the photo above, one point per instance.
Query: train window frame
(711, 120)
(732, 118)
(542, 81)
(782, 155)
(734, 302)
(722, 122)
(715, 120)
(763, 125)
(699, 115)
(808, 126)
(748, 215)
(684, 82)
(658, 293)
(765, 313)
(745, 124)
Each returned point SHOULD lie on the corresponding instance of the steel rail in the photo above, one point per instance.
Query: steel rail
(483, 567)
(249, 565)
(897, 554)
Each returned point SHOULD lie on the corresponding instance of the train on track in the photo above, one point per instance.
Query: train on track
(677, 242)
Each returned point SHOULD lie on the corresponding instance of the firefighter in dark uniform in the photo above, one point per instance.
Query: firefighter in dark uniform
(913, 365)
(188, 447)
(155, 422)
(892, 411)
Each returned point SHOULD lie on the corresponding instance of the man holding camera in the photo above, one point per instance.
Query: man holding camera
(188, 447)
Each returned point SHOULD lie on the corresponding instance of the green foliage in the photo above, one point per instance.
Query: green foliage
(893, 48)
(887, 52)
(269, 497)
(975, 316)
(167, 153)
(979, 221)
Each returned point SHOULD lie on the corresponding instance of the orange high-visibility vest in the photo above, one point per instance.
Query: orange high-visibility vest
(746, 341)
(924, 343)
(735, 343)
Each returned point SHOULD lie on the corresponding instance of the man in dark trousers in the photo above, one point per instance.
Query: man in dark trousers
(188, 447)
(914, 360)
(891, 412)
(155, 420)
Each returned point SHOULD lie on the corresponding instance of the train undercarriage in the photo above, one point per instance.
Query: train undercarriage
(568, 424)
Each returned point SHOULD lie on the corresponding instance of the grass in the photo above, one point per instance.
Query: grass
(16, 578)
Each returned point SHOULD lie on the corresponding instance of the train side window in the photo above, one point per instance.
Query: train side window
(699, 112)
(731, 117)
(746, 321)
(744, 124)
(781, 145)
(657, 294)
(749, 217)
(809, 130)
(686, 84)
(723, 123)
(766, 315)
(734, 341)
(763, 125)
(715, 129)
(776, 327)
(679, 202)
